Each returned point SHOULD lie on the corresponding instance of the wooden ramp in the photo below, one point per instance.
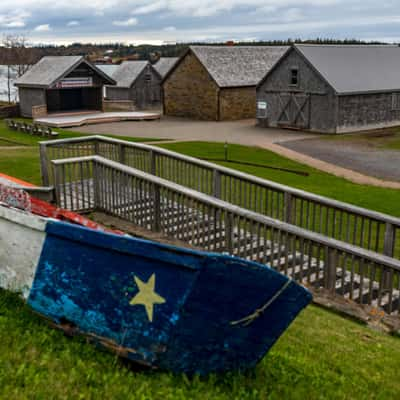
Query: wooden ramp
(85, 118)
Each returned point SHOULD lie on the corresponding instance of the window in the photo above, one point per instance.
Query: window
(395, 101)
(294, 76)
(147, 77)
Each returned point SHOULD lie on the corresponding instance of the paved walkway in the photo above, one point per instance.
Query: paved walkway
(241, 132)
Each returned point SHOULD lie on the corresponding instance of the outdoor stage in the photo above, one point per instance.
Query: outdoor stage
(84, 118)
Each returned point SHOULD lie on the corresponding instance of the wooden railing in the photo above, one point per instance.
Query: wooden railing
(93, 182)
(354, 225)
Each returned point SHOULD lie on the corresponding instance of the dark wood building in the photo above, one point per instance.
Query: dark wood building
(137, 82)
(332, 89)
(60, 84)
(217, 82)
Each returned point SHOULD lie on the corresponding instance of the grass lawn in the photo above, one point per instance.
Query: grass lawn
(322, 183)
(321, 356)
(21, 138)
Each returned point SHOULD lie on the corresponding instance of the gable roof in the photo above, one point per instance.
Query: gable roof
(165, 64)
(127, 72)
(108, 69)
(351, 69)
(50, 69)
(236, 66)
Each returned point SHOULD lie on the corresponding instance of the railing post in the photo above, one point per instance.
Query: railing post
(388, 250)
(121, 151)
(44, 167)
(96, 194)
(229, 232)
(152, 157)
(96, 147)
(331, 265)
(56, 175)
(216, 184)
(288, 198)
(157, 208)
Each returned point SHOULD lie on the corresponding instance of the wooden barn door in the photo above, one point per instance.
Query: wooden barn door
(294, 110)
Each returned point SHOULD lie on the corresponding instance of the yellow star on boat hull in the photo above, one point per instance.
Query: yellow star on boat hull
(147, 296)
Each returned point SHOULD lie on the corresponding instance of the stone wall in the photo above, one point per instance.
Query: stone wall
(190, 92)
(29, 97)
(367, 111)
(237, 103)
(321, 110)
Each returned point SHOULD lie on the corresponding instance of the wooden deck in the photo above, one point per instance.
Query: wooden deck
(84, 118)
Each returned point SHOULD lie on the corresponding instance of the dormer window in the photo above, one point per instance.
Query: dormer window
(294, 77)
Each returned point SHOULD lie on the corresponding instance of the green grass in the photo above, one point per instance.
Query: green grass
(321, 356)
(375, 198)
(22, 138)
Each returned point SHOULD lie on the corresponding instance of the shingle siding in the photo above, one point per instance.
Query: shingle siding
(321, 109)
(366, 111)
(30, 97)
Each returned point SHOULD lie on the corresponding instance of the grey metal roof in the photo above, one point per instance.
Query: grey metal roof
(232, 66)
(108, 69)
(165, 64)
(356, 68)
(127, 72)
(50, 69)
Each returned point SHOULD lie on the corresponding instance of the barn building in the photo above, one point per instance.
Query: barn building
(164, 65)
(217, 82)
(137, 82)
(332, 89)
(61, 84)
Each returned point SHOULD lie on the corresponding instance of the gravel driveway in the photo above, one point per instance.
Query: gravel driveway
(368, 160)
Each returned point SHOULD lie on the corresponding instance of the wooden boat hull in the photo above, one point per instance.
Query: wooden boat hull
(160, 305)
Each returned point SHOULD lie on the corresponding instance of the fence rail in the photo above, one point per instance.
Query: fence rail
(93, 182)
(355, 225)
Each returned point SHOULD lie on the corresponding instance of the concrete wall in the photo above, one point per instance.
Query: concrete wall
(29, 97)
(321, 110)
(190, 92)
(144, 93)
(237, 103)
(366, 111)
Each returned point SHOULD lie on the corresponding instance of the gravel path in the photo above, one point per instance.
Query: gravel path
(379, 163)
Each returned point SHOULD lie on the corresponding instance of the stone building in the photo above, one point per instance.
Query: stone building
(61, 84)
(138, 83)
(332, 89)
(217, 82)
(164, 65)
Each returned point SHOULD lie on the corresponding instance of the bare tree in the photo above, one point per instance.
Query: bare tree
(19, 58)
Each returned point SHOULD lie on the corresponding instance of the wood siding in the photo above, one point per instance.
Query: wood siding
(30, 97)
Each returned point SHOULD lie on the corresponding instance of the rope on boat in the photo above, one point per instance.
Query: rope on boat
(257, 313)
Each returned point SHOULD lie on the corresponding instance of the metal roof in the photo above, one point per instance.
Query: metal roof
(356, 68)
(108, 69)
(127, 72)
(50, 69)
(165, 64)
(235, 66)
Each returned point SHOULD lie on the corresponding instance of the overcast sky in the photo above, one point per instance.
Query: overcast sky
(158, 21)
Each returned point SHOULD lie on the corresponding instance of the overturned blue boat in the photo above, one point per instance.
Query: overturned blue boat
(162, 306)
